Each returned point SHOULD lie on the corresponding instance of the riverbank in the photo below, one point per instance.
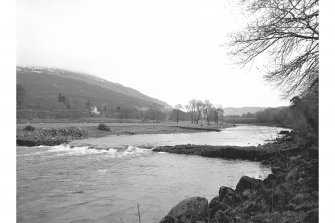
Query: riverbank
(57, 133)
(289, 194)
(253, 153)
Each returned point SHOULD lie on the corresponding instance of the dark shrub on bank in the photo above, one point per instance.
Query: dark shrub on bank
(104, 127)
(76, 133)
(29, 128)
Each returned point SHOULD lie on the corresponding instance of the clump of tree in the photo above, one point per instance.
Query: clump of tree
(302, 115)
(127, 112)
(104, 127)
(305, 112)
(177, 112)
(29, 128)
(248, 115)
(155, 113)
(218, 115)
(65, 100)
(280, 116)
(204, 110)
(180, 113)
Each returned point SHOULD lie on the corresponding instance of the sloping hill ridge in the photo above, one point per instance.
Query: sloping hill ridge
(42, 86)
(242, 110)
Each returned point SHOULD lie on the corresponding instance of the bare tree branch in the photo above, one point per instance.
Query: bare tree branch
(288, 32)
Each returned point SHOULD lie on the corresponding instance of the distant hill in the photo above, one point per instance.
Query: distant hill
(242, 110)
(40, 88)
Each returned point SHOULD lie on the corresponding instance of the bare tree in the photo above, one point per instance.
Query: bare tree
(141, 113)
(215, 113)
(154, 109)
(199, 110)
(189, 111)
(192, 106)
(178, 108)
(207, 107)
(288, 31)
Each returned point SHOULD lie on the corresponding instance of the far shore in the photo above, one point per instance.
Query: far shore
(59, 133)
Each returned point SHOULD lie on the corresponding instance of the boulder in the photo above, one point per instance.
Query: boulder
(276, 170)
(271, 179)
(216, 205)
(213, 202)
(227, 199)
(228, 196)
(266, 162)
(247, 183)
(223, 191)
(167, 219)
(284, 132)
(190, 210)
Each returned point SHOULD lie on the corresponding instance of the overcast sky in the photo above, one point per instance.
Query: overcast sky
(171, 50)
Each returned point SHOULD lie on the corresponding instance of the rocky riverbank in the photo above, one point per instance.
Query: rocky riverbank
(49, 137)
(228, 152)
(289, 194)
(252, 153)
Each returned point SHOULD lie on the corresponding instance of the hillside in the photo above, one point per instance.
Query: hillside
(242, 110)
(41, 88)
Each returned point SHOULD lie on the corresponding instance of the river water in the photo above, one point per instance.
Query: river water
(103, 179)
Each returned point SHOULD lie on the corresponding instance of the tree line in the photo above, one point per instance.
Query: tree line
(197, 110)
(301, 115)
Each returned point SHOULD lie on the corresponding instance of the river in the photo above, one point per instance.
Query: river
(103, 179)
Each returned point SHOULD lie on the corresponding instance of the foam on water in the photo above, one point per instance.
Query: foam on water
(62, 150)
(103, 171)
(133, 150)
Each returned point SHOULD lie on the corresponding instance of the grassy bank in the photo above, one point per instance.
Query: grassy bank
(289, 194)
(58, 133)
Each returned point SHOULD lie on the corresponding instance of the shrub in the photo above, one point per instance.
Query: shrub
(29, 128)
(77, 132)
(104, 127)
